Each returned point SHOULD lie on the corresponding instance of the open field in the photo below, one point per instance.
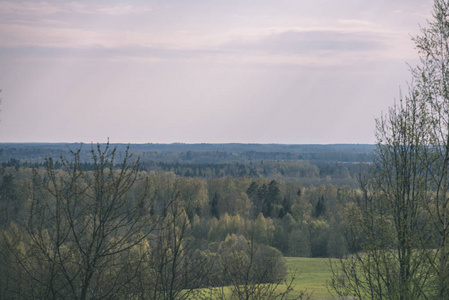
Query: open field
(312, 274)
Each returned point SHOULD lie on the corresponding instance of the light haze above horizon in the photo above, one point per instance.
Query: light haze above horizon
(289, 72)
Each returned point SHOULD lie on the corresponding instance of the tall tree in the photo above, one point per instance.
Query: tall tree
(432, 88)
(405, 206)
(389, 221)
(82, 227)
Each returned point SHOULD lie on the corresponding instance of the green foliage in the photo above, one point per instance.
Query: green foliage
(173, 250)
(299, 243)
(252, 271)
(400, 224)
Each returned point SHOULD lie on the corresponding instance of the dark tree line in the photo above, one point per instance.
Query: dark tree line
(308, 173)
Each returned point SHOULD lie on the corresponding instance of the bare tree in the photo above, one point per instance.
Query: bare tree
(82, 228)
(403, 219)
(389, 222)
(432, 80)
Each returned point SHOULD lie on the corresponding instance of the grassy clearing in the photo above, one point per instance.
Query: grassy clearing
(312, 274)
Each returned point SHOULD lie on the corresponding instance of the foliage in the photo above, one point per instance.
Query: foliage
(253, 271)
(82, 227)
(401, 224)
(97, 233)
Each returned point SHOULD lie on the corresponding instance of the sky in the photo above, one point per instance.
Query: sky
(204, 71)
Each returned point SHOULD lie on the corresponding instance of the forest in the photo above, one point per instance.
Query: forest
(184, 215)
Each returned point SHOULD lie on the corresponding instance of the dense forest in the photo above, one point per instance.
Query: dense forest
(309, 164)
(192, 208)
(286, 197)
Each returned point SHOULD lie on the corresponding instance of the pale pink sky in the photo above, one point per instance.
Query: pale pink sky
(310, 71)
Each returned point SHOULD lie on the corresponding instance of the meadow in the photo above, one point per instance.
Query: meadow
(311, 275)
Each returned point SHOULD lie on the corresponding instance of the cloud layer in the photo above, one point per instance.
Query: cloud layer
(203, 71)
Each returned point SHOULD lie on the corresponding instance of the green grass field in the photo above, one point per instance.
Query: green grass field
(311, 275)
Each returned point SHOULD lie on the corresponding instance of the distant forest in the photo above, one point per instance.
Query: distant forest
(170, 215)
(339, 164)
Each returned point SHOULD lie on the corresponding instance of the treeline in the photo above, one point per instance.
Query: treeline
(246, 156)
(308, 173)
(297, 220)
(198, 153)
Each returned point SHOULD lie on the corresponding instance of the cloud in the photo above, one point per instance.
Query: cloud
(19, 12)
(97, 53)
(106, 30)
(21, 35)
(112, 10)
(297, 42)
(317, 48)
(358, 23)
